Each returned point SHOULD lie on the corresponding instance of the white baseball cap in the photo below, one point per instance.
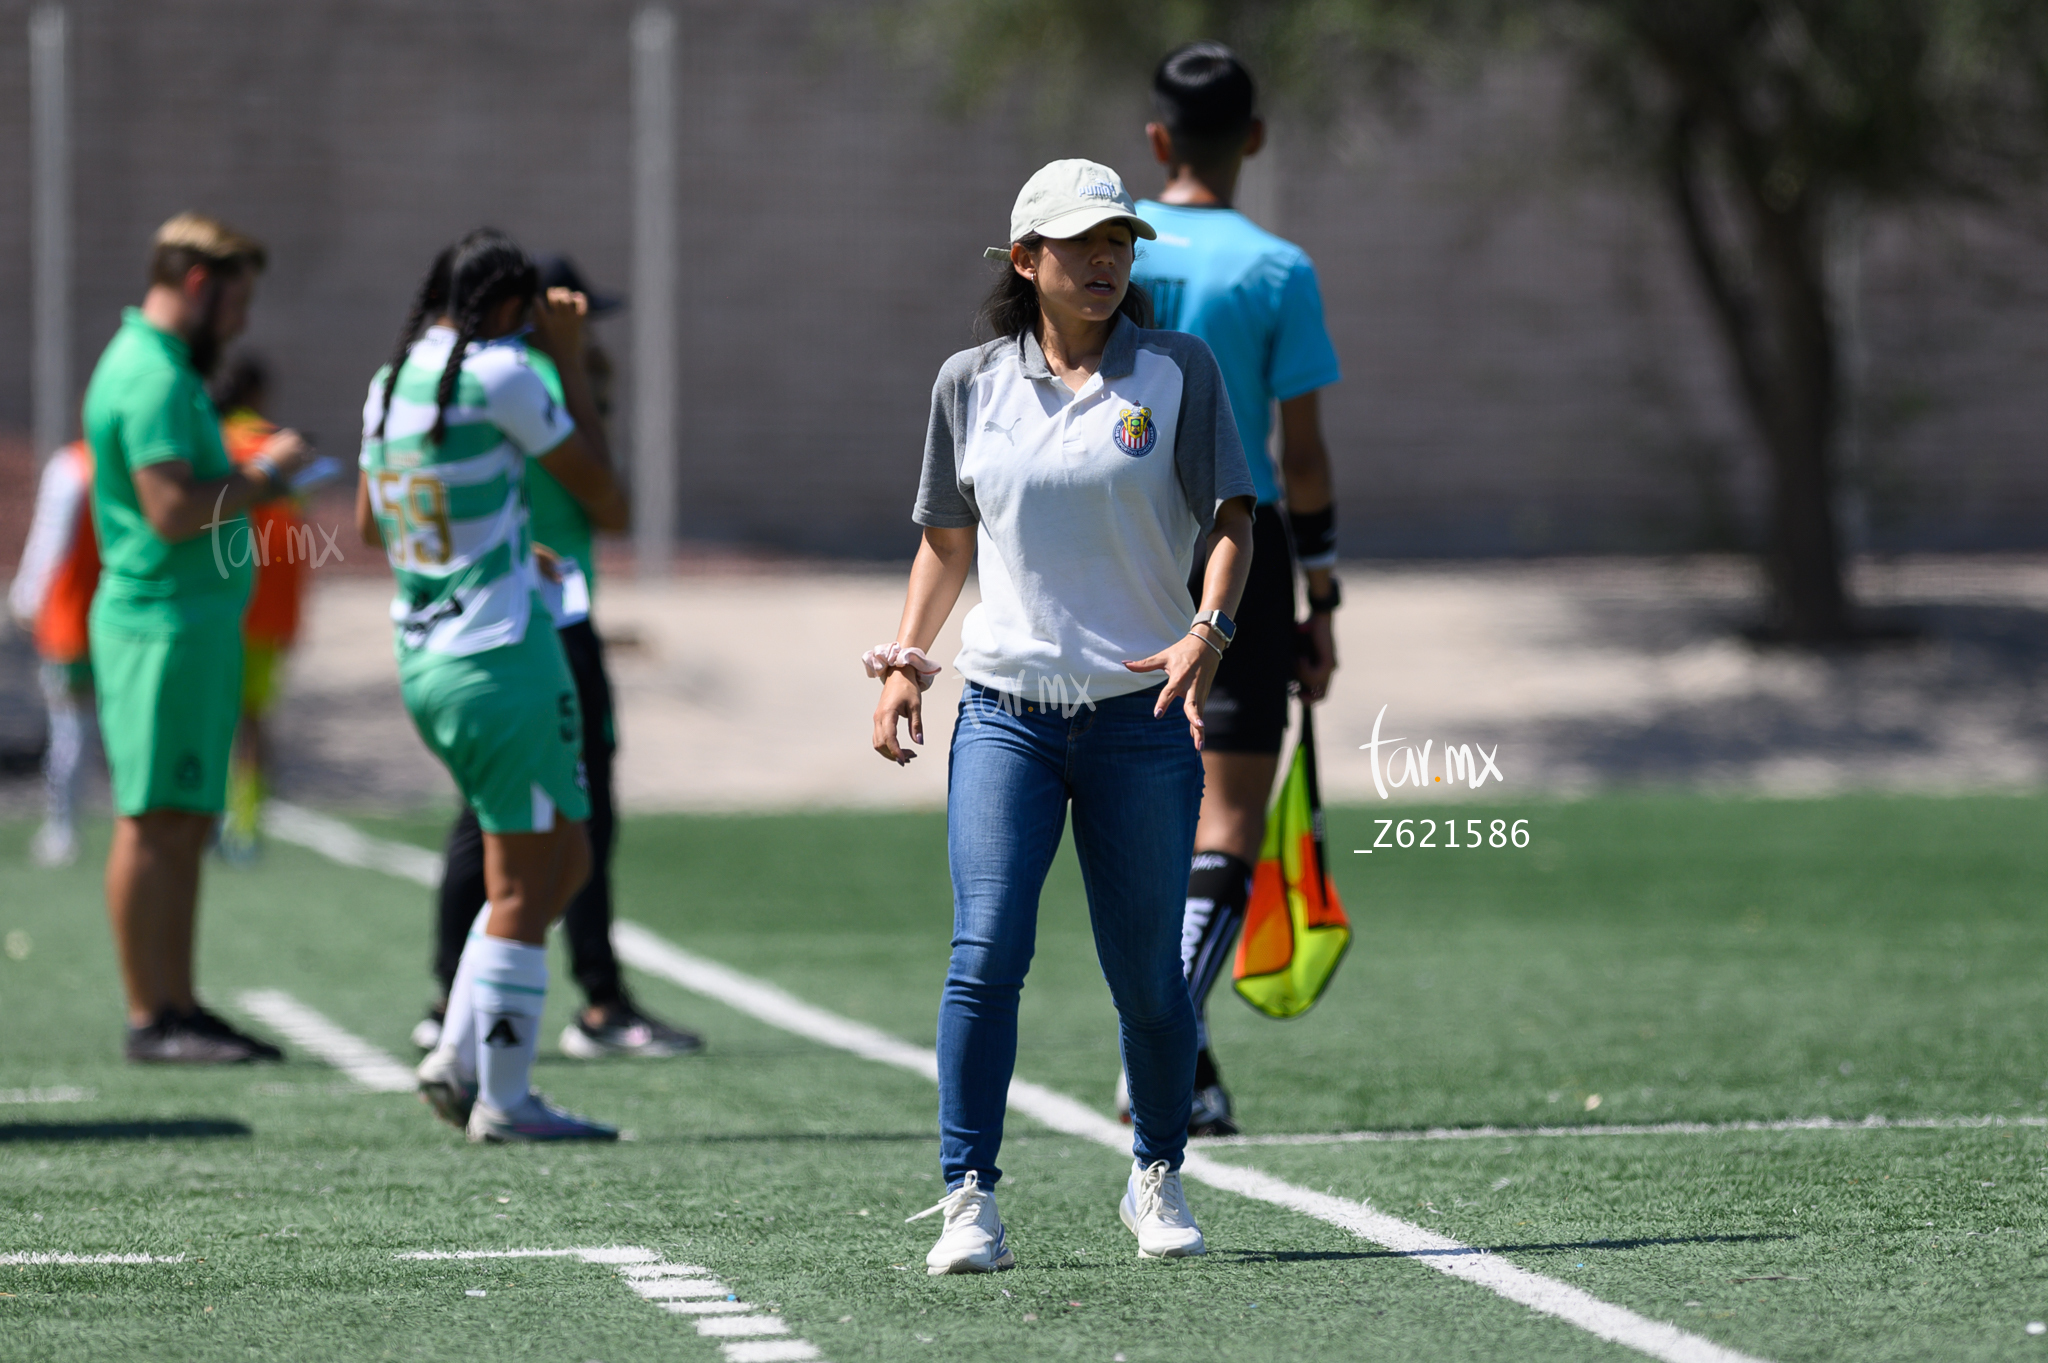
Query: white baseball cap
(1065, 199)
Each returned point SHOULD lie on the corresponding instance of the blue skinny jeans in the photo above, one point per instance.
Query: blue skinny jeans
(1136, 786)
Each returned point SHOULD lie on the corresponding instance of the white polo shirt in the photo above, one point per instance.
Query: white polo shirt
(1089, 506)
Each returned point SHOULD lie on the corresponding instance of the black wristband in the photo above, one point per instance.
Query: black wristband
(1323, 605)
(1315, 537)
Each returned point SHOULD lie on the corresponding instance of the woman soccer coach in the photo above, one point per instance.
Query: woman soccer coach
(1083, 456)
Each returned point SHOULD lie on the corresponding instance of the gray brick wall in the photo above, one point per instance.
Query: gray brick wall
(1528, 370)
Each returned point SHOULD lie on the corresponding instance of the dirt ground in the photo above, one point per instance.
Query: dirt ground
(743, 690)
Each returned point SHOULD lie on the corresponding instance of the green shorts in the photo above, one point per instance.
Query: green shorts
(506, 725)
(168, 705)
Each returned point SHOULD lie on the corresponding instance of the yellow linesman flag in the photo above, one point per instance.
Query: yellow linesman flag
(1295, 931)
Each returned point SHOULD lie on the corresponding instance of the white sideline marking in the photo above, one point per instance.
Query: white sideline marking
(337, 841)
(63, 1093)
(27, 1257)
(735, 1327)
(615, 1254)
(645, 951)
(1478, 1133)
(374, 1069)
(706, 1308)
(671, 1287)
(769, 1351)
(775, 1006)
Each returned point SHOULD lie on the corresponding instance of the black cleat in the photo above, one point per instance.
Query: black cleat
(206, 1022)
(625, 1030)
(171, 1040)
(1210, 1115)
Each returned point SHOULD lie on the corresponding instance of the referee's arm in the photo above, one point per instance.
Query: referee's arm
(1305, 467)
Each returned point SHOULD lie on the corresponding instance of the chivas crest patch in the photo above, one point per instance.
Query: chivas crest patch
(1135, 433)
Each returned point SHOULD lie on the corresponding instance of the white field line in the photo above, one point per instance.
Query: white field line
(336, 841)
(644, 950)
(1480, 1133)
(63, 1093)
(28, 1257)
(374, 1069)
(680, 1289)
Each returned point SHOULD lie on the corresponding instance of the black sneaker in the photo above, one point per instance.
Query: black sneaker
(626, 1030)
(206, 1022)
(171, 1041)
(1210, 1115)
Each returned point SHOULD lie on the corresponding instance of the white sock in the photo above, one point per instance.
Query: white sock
(66, 747)
(510, 985)
(458, 1023)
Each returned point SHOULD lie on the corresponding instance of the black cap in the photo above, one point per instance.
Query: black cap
(559, 272)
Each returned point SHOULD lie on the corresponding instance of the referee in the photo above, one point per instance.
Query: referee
(1253, 297)
(166, 621)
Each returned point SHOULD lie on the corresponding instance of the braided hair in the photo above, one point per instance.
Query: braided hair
(484, 269)
(430, 301)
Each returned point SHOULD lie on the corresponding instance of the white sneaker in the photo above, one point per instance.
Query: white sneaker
(973, 1240)
(534, 1119)
(1156, 1211)
(443, 1088)
(55, 844)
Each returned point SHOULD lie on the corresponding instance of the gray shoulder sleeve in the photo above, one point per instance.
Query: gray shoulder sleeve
(942, 502)
(1207, 453)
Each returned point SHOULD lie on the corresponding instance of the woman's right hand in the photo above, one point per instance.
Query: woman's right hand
(901, 699)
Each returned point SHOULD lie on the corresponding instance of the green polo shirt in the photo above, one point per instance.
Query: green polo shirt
(146, 405)
(555, 518)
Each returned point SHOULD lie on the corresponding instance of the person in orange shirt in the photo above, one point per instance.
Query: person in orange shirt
(272, 622)
(51, 594)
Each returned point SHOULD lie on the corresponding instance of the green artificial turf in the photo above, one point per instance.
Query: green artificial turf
(1682, 959)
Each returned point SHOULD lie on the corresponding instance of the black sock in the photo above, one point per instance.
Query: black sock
(1219, 887)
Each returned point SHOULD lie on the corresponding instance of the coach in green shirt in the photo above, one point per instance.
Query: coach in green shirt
(166, 620)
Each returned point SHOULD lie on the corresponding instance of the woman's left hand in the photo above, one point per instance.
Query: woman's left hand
(558, 325)
(1190, 668)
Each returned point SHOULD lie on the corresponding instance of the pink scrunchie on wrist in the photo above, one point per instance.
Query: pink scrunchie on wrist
(879, 659)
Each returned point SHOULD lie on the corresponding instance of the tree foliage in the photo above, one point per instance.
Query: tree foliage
(1754, 120)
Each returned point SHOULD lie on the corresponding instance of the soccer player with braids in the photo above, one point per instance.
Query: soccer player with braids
(448, 427)
(611, 1023)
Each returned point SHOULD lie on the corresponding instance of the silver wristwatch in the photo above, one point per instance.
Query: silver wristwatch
(1219, 622)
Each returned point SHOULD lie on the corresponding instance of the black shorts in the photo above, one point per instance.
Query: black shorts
(1247, 709)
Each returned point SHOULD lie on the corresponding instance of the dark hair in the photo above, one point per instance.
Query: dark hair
(247, 379)
(429, 300)
(1011, 308)
(466, 281)
(1206, 99)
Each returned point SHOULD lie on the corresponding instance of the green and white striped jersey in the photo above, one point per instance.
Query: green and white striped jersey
(453, 515)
